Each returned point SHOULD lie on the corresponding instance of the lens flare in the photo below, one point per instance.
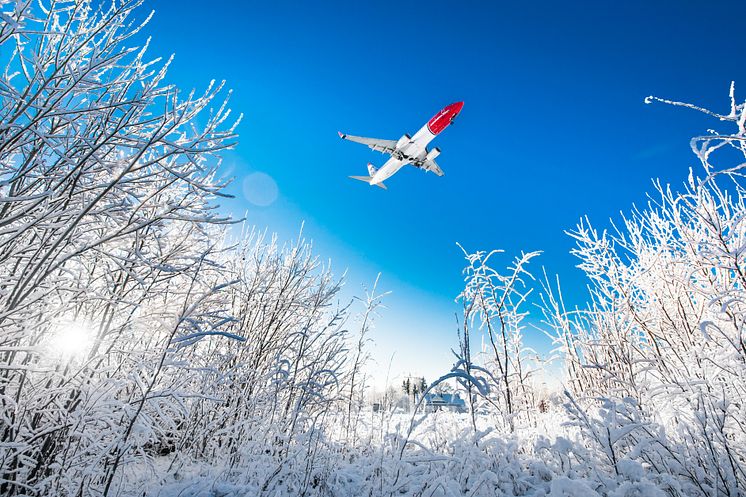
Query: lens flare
(260, 189)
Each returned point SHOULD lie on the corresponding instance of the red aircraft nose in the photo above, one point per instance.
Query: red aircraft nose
(442, 119)
(456, 108)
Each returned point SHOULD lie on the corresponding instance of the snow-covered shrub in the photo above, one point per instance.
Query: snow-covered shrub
(108, 245)
(498, 381)
(658, 360)
(131, 331)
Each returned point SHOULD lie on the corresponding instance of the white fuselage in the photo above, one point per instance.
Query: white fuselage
(406, 150)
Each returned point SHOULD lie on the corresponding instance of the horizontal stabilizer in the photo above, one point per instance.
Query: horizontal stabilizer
(367, 180)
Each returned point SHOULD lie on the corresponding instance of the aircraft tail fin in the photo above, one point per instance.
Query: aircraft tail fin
(371, 169)
(366, 179)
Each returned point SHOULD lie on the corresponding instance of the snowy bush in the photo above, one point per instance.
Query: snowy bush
(658, 360)
(131, 329)
(498, 381)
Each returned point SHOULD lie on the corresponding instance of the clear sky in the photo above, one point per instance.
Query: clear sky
(554, 128)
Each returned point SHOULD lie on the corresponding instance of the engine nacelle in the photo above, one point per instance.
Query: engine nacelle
(432, 154)
(403, 141)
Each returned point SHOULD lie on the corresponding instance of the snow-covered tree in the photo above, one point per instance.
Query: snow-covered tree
(131, 326)
(494, 305)
(108, 242)
(660, 354)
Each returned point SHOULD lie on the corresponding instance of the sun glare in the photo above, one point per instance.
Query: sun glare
(72, 339)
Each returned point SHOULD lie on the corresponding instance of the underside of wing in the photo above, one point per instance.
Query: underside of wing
(384, 146)
(431, 165)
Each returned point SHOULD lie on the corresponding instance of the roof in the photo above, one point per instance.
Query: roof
(449, 399)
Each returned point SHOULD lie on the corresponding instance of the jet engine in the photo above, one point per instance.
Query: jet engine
(403, 141)
(432, 154)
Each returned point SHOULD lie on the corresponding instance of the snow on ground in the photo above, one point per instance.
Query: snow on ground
(444, 457)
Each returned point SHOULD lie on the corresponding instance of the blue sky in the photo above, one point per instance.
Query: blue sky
(554, 128)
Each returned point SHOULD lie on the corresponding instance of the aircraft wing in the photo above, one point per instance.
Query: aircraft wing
(384, 146)
(433, 166)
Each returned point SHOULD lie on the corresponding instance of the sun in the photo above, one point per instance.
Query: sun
(71, 339)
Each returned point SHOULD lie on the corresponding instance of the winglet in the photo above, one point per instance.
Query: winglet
(341, 135)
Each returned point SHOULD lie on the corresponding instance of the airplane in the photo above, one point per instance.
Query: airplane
(407, 149)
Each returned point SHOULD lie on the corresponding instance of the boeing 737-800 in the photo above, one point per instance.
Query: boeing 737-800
(407, 149)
